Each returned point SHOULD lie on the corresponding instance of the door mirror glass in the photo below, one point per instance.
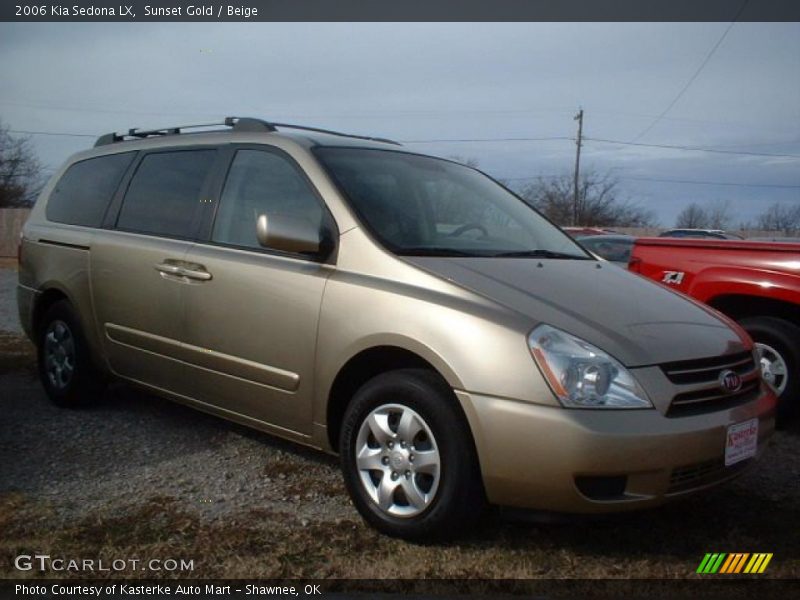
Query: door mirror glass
(288, 233)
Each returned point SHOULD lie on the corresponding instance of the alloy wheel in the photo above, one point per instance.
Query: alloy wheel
(398, 461)
(59, 354)
(773, 367)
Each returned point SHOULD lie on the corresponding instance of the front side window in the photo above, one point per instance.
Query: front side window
(420, 205)
(83, 193)
(262, 183)
(163, 197)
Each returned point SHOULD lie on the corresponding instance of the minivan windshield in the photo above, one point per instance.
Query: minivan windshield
(423, 206)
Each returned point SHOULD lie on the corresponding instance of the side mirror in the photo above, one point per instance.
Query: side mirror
(288, 234)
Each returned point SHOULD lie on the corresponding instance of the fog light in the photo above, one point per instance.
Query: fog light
(602, 488)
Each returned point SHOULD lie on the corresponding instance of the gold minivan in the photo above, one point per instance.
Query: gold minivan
(408, 312)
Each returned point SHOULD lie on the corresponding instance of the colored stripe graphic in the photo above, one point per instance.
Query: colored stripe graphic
(715, 567)
(711, 562)
(734, 562)
(765, 563)
(754, 563)
(727, 564)
(738, 563)
(703, 563)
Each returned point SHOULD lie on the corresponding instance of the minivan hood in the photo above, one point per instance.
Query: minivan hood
(630, 317)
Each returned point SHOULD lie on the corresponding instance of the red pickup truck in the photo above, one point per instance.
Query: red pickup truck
(757, 284)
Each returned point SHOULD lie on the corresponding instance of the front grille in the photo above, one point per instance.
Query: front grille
(694, 476)
(702, 376)
(707, 369)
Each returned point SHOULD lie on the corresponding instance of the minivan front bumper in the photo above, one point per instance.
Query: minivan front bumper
(591, 461)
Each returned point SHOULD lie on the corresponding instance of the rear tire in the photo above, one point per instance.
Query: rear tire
(778, 342)
(408, 457)
(65, 365)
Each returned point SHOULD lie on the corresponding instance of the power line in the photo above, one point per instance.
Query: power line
(691, 80)
(509, 139)
(474, 140)
(660, 180)
(600, 140)
(531, 178)
(434, 141)
(24, 132)
(725, 183)
(378, 114)
(691, 148)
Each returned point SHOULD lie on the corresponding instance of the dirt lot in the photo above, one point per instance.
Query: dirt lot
(138, 476)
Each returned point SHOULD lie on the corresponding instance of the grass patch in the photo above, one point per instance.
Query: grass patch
(16, 353)
(264, 543)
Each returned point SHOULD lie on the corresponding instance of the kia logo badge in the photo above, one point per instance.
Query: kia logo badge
(730, 381)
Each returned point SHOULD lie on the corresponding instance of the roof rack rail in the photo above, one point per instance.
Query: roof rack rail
(339, 133)
(238, 124)
(245, 124)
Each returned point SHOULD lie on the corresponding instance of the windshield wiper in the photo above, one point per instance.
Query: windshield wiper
(435, 251)
(539, 254)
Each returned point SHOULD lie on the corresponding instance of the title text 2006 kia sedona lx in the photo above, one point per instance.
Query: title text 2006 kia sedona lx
(410, 313)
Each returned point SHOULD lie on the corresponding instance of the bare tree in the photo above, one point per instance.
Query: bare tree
(599, 204)
(719, 214)
(20, 171)
(780, 217)
(693, 216)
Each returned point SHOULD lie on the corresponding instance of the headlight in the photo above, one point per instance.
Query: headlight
(582, 376)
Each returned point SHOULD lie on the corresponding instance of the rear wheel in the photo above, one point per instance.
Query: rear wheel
(408, 457)
(778, 345)
(65, 366)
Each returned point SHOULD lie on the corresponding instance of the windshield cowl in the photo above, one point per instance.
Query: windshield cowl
(444, 252)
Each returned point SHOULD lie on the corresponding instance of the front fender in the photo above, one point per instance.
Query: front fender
(722, 281)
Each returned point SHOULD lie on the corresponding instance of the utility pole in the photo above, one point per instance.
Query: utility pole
(579, 119)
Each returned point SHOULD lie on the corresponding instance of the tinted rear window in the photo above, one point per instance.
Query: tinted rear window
(163, 197)
(83, 193)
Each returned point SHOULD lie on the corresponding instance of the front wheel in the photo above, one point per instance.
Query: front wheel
(408, 457)
(778, 345)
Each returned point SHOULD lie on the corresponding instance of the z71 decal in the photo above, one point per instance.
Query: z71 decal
(673, 277)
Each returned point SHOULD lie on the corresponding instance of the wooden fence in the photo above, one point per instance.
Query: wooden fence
(11, 222)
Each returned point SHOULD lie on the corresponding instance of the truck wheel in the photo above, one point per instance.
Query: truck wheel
(65, 367)
(408, 458)
(778, 345)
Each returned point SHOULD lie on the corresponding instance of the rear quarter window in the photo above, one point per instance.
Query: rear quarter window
(83, 193)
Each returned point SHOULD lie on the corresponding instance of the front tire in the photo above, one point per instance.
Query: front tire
(65, 365)
(408, 457)
(778, 345)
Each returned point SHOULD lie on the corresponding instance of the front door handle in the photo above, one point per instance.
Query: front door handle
(191, 271)
(199, 274)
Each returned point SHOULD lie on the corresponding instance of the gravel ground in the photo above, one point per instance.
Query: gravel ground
(86, 461)
(140, 476)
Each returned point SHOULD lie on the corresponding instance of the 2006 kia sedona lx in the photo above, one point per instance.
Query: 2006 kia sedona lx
(410, 313)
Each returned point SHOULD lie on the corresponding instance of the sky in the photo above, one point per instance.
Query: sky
(420, 82)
